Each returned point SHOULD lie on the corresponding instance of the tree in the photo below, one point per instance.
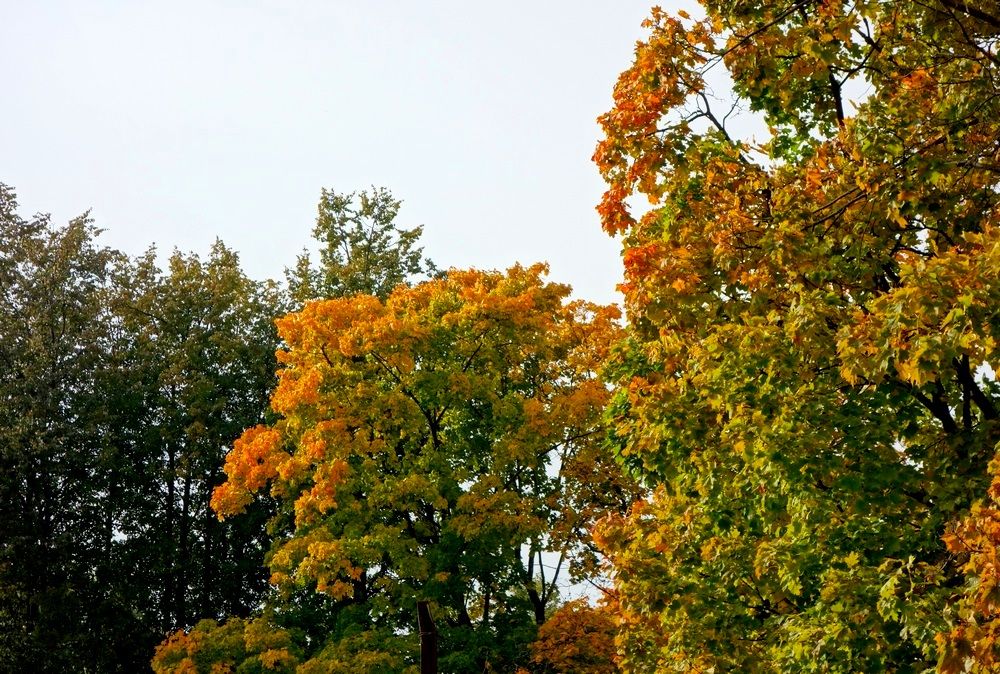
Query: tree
(200, 343)
(435, 446)
(121, 387)
(362, 250)
(56, 611)
(807, 382)
(239, 645)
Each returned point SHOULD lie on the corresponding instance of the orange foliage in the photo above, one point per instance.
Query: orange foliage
(577, 639)
(236, 645)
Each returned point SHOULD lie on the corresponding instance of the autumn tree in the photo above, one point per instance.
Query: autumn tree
(807, 382)
(362, 249)
(443, 445)
(238, 645)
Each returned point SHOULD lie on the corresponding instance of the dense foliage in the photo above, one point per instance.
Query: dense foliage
(123, 386)
(55, 468)
(808, 382)
(788, 460)
(362, 249)
(441, 445)
(439, 442)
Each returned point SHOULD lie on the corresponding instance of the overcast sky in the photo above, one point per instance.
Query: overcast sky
(178, 122)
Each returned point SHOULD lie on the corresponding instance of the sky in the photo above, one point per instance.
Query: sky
(180, 122)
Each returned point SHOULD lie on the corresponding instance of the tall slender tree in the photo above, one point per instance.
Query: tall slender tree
(202, 345)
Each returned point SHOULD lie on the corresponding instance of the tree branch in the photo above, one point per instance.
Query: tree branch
(983, 401)
(743, 39)
(971, 39)
(838, 99)
(974, 12)
(936, 405)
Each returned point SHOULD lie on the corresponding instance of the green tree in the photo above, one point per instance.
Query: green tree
(58, 612)
(121, 387)
(362, 251)
(201, 342)
(808, 378)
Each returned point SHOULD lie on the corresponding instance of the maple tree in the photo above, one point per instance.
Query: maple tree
(807, 383)
(238, 645)
(436, 446)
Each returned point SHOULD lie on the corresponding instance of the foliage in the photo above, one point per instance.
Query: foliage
(120, 389)
(200, 363)
(434, 446)
(577, 639)
(54, 544)
(260, 645)
(240, 646)
(368, 651)
(808, 378)
(362, 250)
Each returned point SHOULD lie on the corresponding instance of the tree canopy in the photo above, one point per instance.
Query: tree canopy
(54, 464)
(437, 446)
(123, 385)
(807, 384)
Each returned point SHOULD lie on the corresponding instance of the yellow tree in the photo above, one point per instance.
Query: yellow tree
(444, 444)
(813, 315)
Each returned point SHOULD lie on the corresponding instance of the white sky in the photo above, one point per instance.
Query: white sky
(180, 121)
